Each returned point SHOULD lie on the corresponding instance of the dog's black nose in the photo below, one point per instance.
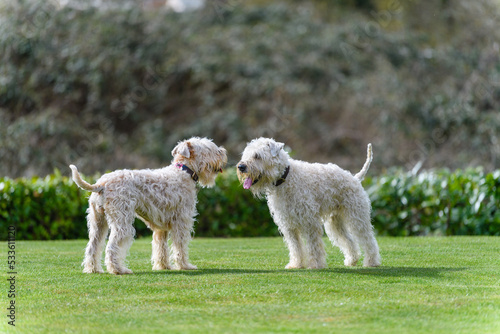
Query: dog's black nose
(242, 168)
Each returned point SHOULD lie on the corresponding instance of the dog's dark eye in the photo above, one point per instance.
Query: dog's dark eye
(256, 156)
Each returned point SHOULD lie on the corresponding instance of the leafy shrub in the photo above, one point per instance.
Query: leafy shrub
(228, 210)
(436, 203)
(43, 208)
(430, 203)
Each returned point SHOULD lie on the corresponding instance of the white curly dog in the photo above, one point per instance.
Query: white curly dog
(303, 196)
(165, 199)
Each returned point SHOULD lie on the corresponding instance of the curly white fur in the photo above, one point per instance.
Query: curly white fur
(312, 195)
(164, 199)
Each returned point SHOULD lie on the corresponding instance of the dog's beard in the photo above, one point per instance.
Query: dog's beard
(248, 179)
(250, 176)
(208, 179)
(255, 181)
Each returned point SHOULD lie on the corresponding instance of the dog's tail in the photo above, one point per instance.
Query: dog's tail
(83, 184)
(369, 157)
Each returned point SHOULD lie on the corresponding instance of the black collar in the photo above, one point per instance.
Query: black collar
(188, 170)
(283, 177)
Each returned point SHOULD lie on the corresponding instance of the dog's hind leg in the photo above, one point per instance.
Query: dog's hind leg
(160, 258)
(120, 240)
(340, 236)
(362, 229)
(98, 230)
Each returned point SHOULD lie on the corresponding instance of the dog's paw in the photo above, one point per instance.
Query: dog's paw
(92, 270)
(185, 266)
(294, 266)
(350, 262)
(120, 271)
(316, 266)
(372, 263)
(125, 271)
(189, 266)
(161, 267)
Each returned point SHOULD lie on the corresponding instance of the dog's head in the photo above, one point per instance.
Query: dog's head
(262, 164)
(203, 157)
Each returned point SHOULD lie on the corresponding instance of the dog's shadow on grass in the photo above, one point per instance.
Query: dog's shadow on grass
(397, 271)
(361, 271)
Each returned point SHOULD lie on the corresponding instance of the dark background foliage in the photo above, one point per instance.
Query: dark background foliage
(117, 86)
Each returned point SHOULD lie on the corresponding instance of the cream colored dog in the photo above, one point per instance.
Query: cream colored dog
(164, 199)
(303, 196)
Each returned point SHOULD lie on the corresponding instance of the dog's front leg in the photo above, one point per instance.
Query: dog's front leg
(294, 243)
(180, 235)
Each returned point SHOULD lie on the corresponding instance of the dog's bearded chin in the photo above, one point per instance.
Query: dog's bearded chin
(247, 183)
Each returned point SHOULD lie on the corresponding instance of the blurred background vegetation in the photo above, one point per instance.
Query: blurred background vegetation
(117, 85)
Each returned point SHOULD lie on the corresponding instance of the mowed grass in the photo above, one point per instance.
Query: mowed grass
(426, 285)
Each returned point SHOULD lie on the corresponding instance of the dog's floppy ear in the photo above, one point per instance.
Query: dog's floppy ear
(223, 153)
(276, 148)
(182, 149)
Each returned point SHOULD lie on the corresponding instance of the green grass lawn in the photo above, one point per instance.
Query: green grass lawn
(426, 285)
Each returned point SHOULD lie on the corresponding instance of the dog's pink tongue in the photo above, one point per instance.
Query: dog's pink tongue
(248, 183)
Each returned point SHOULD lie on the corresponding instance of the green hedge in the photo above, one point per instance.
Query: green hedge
(429, 203)
(436, 203)
(43, 208)
(229, 210)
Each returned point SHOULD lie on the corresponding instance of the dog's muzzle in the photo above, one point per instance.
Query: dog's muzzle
(242, 168)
